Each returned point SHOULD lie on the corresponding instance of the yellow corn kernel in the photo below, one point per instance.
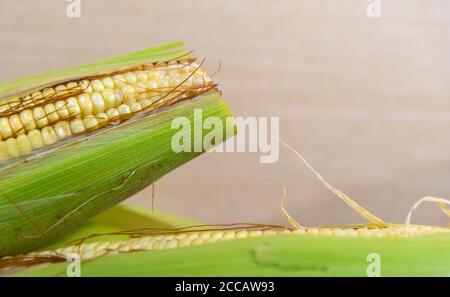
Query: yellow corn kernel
(82, 105)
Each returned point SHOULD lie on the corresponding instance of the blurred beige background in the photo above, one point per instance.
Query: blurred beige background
(366, 100)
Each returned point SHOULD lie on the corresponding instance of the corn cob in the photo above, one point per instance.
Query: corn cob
(48, 116)
(89, 251)
(77, 141)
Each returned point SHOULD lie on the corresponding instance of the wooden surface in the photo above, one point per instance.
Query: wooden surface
(367, 101)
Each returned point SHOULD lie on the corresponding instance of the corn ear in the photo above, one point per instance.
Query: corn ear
(276, 255)
(48, 192)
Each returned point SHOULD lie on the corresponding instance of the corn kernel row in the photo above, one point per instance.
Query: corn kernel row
(38, 138)
(49, 120)
(89, 251)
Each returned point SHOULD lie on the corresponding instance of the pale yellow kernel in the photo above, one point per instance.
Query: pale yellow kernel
(377, 233)
(4, 106)
(61, 90)
(339, 232)
(52, 114)
(141, 87)
(58, 251)
(73, 86)
(136, 244)
(312, 231)
(119, 80)
(36, 95)
(131, 77)
(363, 232)
(169, 237)
(47, 253)
(160, 244)
(154, 74)
(12, 148)
(14, 104)
(147, 244)
(152, 85)
(181, 236)
(217, 235)
(135, 107)
(102, 245)
(299, 231)
(207, 78)
(3, 152)
(73, 106)
(176, 80)
(129, 92)
(144, 102)
(112, 113)
(36, 139)
(269, 232)
(61, 109)
(241, 234)
(350, 232)
(425, 228)
(85, 103)
(97, 85)
(108, 82)
(98, 103)
(170, 244)
(24, 144)
(49, 92)
(113, 245)
(40, 117)
(197, 241)
(90, 246)
(109, 98)
(16, 124)
(229, 235)
(62, 129)
(205, 235)
(326, 231)
(427, 232)
(5, 128)
(163, 83)
(102, 117)
(192, 235)
(210, 240)
(198, 82)
(89, 254)
(49, 136)
(124, 248)
(90, 122)
(124, 109)
(86, 86)
(254, 233)
(184, 242)
(77, 126)
(142, 76)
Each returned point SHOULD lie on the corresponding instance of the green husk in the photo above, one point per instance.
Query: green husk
(51, 193)
(159, 53)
